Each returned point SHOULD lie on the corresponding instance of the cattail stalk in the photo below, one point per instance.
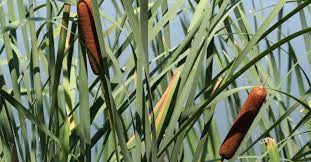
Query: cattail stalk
(243, 122)
(89, 34)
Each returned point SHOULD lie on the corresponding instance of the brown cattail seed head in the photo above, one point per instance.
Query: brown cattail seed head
(243, 122)
(89, 34)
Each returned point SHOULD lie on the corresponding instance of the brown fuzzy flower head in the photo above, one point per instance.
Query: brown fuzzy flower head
(89, 34)
(243, 122)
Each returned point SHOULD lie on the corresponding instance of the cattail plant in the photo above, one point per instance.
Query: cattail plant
(272, 149)
(156, 83)
(243, 122)
(89, 34)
